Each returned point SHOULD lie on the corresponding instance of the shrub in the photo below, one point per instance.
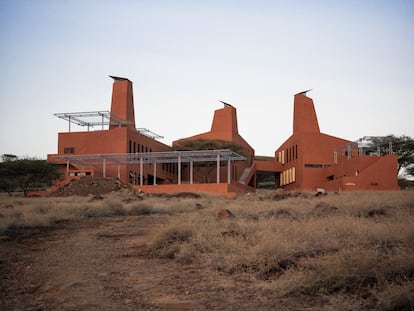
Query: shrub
(172, 235)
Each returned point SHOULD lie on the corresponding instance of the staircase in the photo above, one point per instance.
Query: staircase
(247, 174)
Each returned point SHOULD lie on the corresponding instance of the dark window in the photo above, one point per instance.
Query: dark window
(69, 150)
(313, 165)
(130, 147)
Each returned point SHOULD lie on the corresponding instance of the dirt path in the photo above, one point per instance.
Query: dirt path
(104, 264)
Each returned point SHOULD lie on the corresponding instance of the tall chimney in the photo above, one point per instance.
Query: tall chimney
(304, 115)
(122, 106)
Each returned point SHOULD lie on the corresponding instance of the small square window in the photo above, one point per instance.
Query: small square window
(69, 150)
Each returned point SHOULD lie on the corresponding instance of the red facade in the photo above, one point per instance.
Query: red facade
(314, 160)
(307, 160)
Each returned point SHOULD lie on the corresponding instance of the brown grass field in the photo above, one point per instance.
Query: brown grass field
(130, 251)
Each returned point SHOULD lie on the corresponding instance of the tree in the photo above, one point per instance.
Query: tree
(402, 146)
(8, 157)
(27, 175)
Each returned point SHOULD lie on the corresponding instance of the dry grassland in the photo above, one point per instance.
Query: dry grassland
(356, 250)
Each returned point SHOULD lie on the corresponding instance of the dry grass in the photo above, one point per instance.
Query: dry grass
(356, 249)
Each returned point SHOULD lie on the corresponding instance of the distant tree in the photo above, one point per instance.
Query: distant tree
(8, 157)
(402, 146)
(27, 175)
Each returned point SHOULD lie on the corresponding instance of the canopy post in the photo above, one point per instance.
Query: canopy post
(141, 175)
(228, 171)
(104, 167)
(155, 173)
(218, 168)
(179, 169)
(191, 171)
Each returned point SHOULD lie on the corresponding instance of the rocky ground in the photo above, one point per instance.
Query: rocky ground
(105, 264)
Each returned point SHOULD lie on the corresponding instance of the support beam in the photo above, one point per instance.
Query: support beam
(228, 171)
(155, 173)
(218, 168)
(191, 172)
(141, 171)
(179, 169)
(67, 167)
(119, 170)
(104, 167)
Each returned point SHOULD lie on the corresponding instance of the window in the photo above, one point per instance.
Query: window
(313, 166)
(69, 150)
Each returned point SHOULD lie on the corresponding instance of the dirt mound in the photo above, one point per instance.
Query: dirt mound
(88, 185)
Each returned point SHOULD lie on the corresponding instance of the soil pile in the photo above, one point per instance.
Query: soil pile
(89, 185)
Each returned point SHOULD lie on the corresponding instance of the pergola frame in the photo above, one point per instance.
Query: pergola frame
(92, 119)
(102, 119)
(178, 157)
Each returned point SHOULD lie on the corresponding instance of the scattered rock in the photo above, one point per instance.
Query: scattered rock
(225, 213)
(320, 191)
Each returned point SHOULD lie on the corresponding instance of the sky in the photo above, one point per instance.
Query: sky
(185, 56)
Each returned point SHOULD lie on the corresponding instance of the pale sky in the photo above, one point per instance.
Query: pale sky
(185, 56)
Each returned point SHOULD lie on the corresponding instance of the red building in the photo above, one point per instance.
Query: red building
(307, 160)
(311, 159)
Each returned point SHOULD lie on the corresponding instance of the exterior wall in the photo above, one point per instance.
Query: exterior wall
(224, 127)
(307, 159)
(365, 173)
(117, 139)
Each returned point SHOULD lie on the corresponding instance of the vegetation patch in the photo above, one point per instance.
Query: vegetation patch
(355, 249)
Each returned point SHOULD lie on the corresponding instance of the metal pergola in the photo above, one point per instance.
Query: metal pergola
(91, 119)
(178, 157)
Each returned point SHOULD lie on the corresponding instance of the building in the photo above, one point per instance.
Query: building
(219, 160)
(311, 159)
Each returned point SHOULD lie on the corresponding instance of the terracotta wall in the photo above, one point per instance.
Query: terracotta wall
(224, 127)
(307, 158)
